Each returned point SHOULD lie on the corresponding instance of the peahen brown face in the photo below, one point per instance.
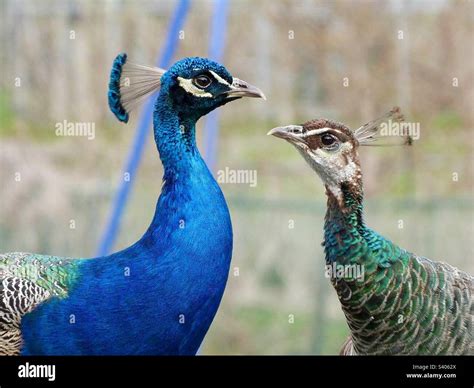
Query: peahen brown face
(330, 149)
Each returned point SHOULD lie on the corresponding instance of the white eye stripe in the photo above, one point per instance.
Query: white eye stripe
(219, 78)
(320, 131)
(188, 86)
(316, 131)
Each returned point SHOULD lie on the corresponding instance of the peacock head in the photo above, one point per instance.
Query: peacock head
(331, 148)
(193, 86)
(198, 85)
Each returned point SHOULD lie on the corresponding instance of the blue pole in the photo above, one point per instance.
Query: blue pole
(136, 152)
(216, 52)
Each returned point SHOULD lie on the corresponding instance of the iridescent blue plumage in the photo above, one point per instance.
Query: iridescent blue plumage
(114, 88)
(160, 295)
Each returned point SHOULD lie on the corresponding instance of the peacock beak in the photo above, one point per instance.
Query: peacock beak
(241, 88)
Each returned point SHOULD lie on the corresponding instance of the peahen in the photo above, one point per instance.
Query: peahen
(160, 295)
(394, 301)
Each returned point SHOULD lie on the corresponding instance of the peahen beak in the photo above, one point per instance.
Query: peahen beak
(241, 88)
(290, 132)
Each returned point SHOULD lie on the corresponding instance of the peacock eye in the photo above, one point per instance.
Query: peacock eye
(329, 141)
(202, 81)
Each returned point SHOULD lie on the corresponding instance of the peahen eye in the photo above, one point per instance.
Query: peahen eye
(202, 81)
(329, 141)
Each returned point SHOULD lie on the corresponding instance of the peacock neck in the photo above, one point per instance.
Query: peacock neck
(175, 138)
(344, 225)
(187, 180)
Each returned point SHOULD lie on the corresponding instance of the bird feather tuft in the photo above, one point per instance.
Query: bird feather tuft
(129, 84)
(369, 134)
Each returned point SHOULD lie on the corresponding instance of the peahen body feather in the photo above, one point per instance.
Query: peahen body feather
(395, 302)
(403, 304)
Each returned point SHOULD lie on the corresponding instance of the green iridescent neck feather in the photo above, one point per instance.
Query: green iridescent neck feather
(394, 301)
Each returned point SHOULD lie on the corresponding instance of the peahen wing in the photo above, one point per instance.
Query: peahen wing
(408, 304)
(446, 307)
(27, 280)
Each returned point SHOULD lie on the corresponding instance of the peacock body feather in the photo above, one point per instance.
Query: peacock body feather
(160, 295)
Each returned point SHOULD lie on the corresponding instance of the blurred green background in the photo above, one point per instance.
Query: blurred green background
(299, 53)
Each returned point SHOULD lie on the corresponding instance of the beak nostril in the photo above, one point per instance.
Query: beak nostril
(241, 88)
(287, 132)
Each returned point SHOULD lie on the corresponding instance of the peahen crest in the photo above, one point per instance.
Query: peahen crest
(372, 135)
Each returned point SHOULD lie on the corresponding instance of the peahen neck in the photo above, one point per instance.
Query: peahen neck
(344, 227)
(347, 239)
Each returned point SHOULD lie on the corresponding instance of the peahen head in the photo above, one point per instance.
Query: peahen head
(331, 148)
(192, 86)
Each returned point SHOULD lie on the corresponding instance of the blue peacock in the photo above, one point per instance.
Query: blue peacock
(160, 295)
(398, 303)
